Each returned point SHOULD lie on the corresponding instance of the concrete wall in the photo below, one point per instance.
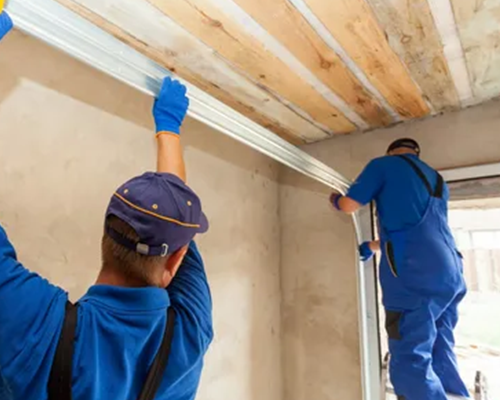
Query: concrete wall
(321, 358)
(70, 135)
(319, 325)
(462, 138)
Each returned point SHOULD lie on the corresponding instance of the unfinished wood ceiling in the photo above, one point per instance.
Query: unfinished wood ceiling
(310, 69)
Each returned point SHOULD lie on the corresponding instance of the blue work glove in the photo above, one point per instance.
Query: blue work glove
(365, 252)
(170, 107)
(334, 199)
(5, 24)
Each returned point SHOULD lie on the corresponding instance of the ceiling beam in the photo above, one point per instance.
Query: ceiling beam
(413, 35)
(479, 29)
(444, 18)
(355, 27)
(157, 37)
(217, 30)
(282, 20)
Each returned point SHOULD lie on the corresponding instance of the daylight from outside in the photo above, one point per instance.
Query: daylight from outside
(476, 227)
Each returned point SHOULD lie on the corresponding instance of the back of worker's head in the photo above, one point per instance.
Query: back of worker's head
(137, 269)
(150, 222)
(403, 146)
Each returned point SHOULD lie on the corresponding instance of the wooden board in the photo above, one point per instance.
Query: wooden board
(288, 25)
(355, 27)
(157, 37)
(478, 24)
(412, 34)
(213, 27)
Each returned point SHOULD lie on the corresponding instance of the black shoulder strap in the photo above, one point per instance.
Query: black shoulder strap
(156, 372)
(438, 192)
(59, 387)
(439, 187)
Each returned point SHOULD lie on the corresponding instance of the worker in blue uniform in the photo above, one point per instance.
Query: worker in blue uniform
(5, 24)
(142, 330)
(421, 270)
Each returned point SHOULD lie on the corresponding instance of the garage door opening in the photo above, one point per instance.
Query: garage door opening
(476, 227)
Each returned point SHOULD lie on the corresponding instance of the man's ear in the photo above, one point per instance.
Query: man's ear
(173, 263)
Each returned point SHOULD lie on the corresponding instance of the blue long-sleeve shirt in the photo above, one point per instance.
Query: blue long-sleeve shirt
(118, 334)
(400, 195)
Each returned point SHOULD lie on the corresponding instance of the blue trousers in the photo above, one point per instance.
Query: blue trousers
(423, 364)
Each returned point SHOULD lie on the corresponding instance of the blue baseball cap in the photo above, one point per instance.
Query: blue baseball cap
(165, 213)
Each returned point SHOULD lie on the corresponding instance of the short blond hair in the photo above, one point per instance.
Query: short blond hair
(133, 266)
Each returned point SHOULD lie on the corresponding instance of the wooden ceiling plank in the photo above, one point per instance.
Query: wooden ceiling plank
(282, 20)
(444, 19)
(170, 46)
(254, 30)
(328, 38)
(354, 26)
(213, 27)
(412, 34)
(479, 28)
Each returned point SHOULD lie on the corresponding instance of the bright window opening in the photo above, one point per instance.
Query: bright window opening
(476, 227)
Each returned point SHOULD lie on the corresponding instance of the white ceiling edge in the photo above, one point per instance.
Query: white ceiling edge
(444, 19)
(67, 31)
(473, 172)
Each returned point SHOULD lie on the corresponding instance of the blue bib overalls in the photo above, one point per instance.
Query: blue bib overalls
(421, 275)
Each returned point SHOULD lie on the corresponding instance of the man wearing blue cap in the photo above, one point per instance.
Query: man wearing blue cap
(128, 337)
(421, 270)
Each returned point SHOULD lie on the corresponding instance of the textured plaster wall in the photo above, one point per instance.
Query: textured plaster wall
(462, 138)
(319, 311)
(70, 135)
(319, 325)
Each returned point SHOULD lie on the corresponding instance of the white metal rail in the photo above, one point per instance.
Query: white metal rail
(54, 24)
(62, 28)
